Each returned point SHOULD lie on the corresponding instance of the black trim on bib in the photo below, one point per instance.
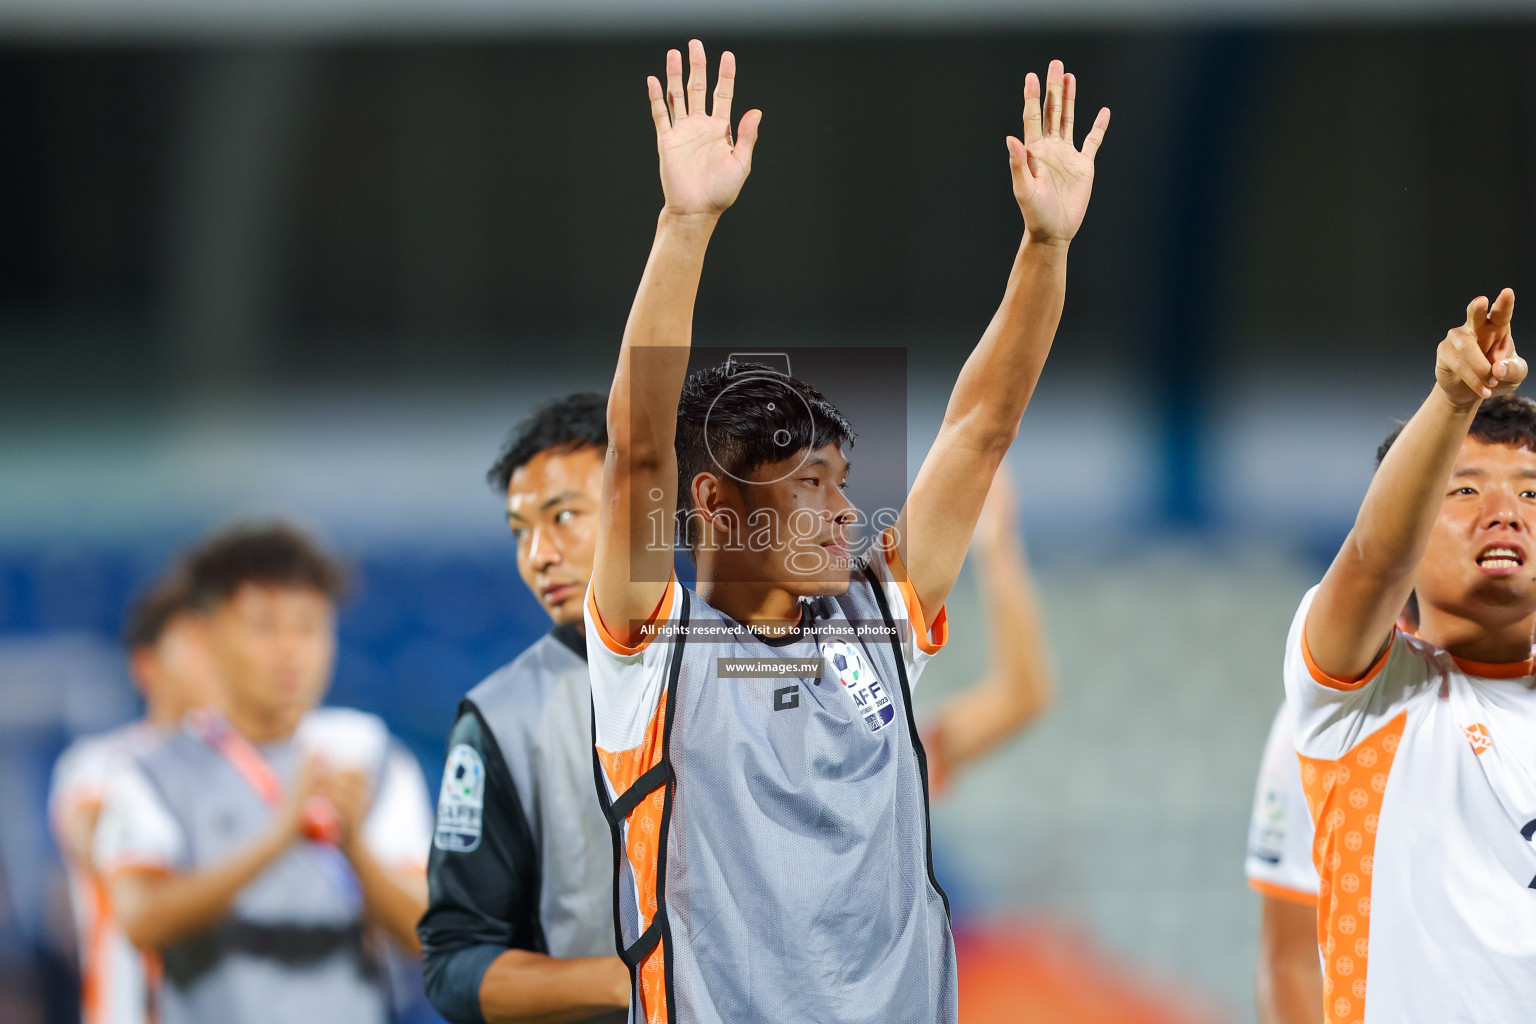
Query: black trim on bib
(658, 776)
(917, 740)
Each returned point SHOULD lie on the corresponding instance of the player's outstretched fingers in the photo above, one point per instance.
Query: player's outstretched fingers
(1054, 87)
(1095, 137)
(1514, 373)
(725, 87)
(1477, 312)
(659, 114)
(1069, 114)
(746, 137)
(1499, 315)
(675, 101)
(1503, 310)
(1468, 362)
(698, 78)
(1032, 130)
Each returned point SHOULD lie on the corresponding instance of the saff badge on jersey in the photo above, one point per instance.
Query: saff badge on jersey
(461, 801)
(858, 677)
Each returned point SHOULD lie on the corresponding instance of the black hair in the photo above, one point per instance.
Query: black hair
(266, 553)
(566, 424)
(153, 609)
(1506, 419)
(737, 416)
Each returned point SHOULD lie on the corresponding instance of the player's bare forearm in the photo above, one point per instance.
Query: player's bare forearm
(703, 166)
(1371, 577)
(999, 377)
(530, 988)
(157, 910)
(642, 404)
(393, 898)
(1052, 183)
(634, 554)
(981, 421)
(1289, 984)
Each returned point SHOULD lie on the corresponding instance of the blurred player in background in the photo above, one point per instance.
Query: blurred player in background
(521, 919)
(775, 837)
(170, 664)
(1416, 750)
(1289, 982)
(1019, 684)
(520, 926)
(262, 848)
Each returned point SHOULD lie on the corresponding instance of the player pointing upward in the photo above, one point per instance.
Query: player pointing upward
(1418, 753)
(773, 832)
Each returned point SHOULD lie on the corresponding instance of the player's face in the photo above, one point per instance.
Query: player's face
(1479, 564)
(275, 646)
(177, 673)
(552, 507)
(804, 499)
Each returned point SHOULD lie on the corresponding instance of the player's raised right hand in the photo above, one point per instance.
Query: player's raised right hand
(1477, 360)
(702, 166)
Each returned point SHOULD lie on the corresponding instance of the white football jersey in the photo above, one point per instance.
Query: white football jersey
(1279, 861)
(116, 979)
(1421, 779)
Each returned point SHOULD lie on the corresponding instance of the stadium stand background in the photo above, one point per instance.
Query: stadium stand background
(319, 273)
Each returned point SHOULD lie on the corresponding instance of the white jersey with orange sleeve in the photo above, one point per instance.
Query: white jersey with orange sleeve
(1279, 861)
(117, 981)
(1421, 779)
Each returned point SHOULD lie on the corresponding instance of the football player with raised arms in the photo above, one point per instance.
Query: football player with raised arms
(1418, 752)
(773, 832)
(520, 926)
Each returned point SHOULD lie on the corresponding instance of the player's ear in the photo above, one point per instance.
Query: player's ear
(706, 495)
(144, 669)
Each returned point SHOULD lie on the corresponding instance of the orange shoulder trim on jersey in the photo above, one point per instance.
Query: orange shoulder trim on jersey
(662, 612)
(1497, 670)
(929, 641)
(1335, 683)
(132, 866)
(1283, 892)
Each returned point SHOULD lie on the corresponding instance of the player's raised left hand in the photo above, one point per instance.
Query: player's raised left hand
(702, 166)
(1052, 178)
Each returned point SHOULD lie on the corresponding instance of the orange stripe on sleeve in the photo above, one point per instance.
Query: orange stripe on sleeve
(1283, 892)
(1335, 683)
(662, 612)
(929, 641)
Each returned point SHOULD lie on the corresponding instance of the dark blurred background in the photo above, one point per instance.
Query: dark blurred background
(293, 261)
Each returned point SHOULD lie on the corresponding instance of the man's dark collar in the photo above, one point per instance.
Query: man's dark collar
(570, 635)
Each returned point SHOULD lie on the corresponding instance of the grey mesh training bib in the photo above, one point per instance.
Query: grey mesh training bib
(293, 946)
(787, 822)
(539, 708)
